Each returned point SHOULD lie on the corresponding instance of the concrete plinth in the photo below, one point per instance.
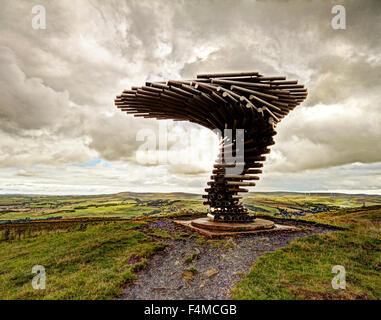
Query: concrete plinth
(257, 224)
(214, 229)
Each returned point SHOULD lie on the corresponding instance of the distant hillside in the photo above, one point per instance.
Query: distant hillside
(155, 196)
(133, 204)
(322, 194)
(194, 196)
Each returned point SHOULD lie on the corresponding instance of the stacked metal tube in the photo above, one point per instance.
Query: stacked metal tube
(246, 100)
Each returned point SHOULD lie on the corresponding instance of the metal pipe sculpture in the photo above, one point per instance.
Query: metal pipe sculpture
(247, 103)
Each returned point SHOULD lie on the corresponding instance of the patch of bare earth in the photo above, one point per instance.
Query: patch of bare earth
(192, 267)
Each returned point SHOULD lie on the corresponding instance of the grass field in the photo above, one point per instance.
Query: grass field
(303, 269)
(92, 259)
(130, 205)
(123, 205)
(84, 262)
(299, 204)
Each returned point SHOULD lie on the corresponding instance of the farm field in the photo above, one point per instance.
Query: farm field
(122, 205)
(132, 205)
(301, 204)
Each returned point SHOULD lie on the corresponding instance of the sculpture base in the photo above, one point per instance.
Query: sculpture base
(257, 224)
(231, 218)
(216, 229)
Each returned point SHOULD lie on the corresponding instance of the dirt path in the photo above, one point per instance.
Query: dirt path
(217, 265)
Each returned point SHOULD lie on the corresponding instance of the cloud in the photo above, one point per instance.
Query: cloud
(57, 88)
(329, 135)
(28, 173)
(339, 78)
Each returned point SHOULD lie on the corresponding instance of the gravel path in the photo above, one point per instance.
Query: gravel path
(220, 264)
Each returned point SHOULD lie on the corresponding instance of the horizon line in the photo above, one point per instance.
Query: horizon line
(182, 192)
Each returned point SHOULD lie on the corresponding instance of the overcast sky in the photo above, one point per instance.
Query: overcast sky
(61, 134)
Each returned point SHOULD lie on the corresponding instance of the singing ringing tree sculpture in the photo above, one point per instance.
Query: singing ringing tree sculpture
(244, 106)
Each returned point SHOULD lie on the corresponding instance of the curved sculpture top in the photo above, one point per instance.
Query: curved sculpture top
(247, 102)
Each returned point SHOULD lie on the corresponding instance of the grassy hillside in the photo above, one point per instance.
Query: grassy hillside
(93, 259)
(82, 262)
(303, 269)
(129, 204)
(123, 205)
(300, 204)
